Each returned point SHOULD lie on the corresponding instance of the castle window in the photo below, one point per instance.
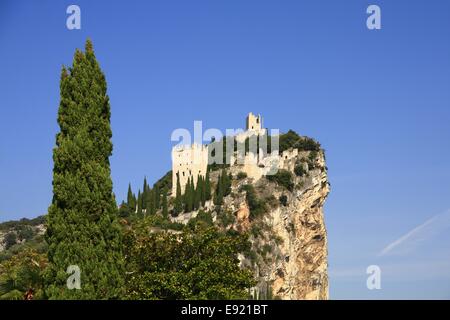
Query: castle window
(183, 173)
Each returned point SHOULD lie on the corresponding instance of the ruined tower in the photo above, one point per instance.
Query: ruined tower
(188, 161)
(254, 123)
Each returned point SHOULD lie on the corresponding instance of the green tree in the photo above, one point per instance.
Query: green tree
(199, 263)
(10, 240)
(83, 228)
(145, 195)
(198, 193)
(189, 196)
(226, 183)
(178, 207)
(23, 272)
(139, 203)
(131, 199)
(165, 211)
(157, 196)
(283, 178)
(218, 196)
(124, 210)
(207, 187)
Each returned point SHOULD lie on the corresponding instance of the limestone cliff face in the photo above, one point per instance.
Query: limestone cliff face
(289, 240)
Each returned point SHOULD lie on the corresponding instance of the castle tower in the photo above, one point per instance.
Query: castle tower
(188, 162)
(254, 123)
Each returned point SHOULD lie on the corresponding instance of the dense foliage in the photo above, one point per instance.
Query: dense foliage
(283, 178)
(22, 273)
(292, 140)
(198, 263)
(223, 187)
(257, 206)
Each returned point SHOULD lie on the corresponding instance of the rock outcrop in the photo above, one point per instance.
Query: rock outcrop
(289, 240)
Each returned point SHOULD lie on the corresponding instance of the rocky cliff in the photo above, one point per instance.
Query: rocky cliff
(284, 216)
(289, 241)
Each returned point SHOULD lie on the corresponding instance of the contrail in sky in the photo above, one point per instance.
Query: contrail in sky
(422, 232)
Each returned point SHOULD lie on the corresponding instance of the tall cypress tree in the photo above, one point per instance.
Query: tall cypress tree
(218, 196)
(139, 202)
(83, 228)
(131, 199)
(156, 197)
(165, 211)
(188, 196)
(207, 187)
(145, 194)
(178, 207)
(198, 193)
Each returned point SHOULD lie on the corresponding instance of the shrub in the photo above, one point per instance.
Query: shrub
(292, 140)
(225, 219)
(25, 233)
(256, 206)
(256, 230)
(241, 175)
(312, 155)
(307, 144)
(283, 178)
(266, 249)
(299, 171)
(283, 200)
(10, 240)
(272, 201)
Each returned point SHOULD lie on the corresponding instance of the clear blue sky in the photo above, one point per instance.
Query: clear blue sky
(378, 101)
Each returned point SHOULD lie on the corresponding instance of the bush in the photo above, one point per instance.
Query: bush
(225, 219)
(203, 218)
(10, 240)
(283, 200)
(267, 248)
(26, 233)
(241, 175)
(292, 140)
(272, 201)
(162, 222)
(299, 171)
(283, 178)
(256, 206)
(312, 156)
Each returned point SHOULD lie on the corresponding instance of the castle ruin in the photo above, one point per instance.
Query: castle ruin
(191, 161)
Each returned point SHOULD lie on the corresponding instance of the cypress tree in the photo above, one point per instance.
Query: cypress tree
(139, 203)
(188, 196)
(178, 207)
(198, 193)
(82, 221)
(192, 194)
(226, 183)
(207, 187)
(203, 192)
(152, 202)
(165, 211)
(157, 197)
(218, 196)
(131, 199)
(144, 195)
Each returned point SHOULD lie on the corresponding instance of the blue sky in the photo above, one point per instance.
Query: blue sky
(378, 101)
